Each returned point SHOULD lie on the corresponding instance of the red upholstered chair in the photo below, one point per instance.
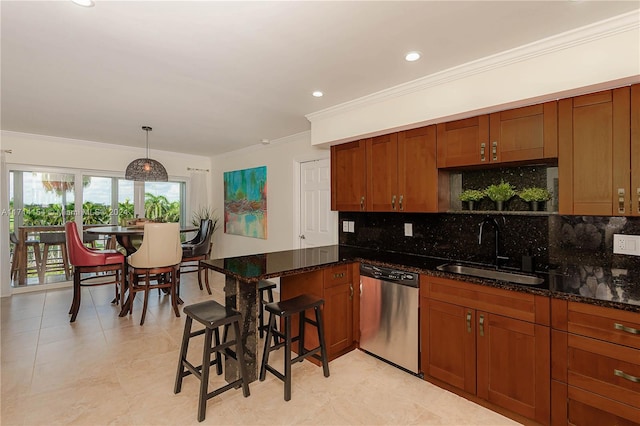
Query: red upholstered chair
(87, 261)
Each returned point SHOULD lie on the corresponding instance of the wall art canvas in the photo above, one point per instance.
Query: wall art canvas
(245, 202)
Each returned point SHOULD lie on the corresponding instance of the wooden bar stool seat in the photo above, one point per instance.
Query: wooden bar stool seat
(285, 309)
(212, 315)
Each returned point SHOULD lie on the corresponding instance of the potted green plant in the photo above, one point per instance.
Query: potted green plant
(499, 193)
(471, 196)
(534, 196)
(205, 212)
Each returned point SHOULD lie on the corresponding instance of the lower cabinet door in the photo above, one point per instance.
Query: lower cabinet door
(338, 318)
(449, 346)
(514, 365)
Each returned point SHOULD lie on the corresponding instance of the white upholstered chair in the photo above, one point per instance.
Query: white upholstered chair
(156, 264)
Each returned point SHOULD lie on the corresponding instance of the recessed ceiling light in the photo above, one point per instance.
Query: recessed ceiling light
(84, 3)
(412, 56)
(317, 94)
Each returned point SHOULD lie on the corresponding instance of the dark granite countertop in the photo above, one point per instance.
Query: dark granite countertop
(613, 288)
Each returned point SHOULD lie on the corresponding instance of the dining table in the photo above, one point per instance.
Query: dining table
(126, 235)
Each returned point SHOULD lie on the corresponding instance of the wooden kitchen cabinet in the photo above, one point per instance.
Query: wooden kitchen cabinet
(336, 286)
(597, 365)
(635, 150)
(348, 176)
(489, 342)
(401, 171)
(516, 135)
(594, 153)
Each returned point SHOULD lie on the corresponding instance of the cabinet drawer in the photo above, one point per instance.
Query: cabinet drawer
(589, 409)
(611, 325)
(337, 275)
(513, 304)
(604, 368)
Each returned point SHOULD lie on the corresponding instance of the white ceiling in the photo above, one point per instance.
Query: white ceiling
(212, 77)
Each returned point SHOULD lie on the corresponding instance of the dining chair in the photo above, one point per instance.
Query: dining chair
(95, 262)
(156, 264)
(197, 249)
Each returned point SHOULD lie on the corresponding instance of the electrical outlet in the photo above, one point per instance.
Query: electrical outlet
(352, 226)
(626, 244)
(345, 226)
(408, 230)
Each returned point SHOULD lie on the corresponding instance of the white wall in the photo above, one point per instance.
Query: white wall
(281, 158)
(572, 63)
(48, 151)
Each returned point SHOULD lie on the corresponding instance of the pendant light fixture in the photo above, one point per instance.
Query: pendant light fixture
(146, 169)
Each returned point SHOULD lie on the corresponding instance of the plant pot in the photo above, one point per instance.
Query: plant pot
(535, 205)
(499, 205)
(471, 205)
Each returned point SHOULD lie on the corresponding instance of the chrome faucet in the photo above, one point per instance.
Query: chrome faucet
(498, 230)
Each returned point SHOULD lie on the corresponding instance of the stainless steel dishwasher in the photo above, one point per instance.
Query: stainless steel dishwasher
(389, 315)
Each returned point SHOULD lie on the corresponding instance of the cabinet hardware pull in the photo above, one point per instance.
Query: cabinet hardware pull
(494, 151)
(482, 145)
(482, 325)
(624, 375)
(350, 291)
(401, 207)
(620, 200)
(338, 275)
(468, 322)
(393, 202)
(631, 330)
(362, 203)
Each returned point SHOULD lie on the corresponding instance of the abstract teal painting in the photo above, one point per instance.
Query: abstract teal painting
(245, 202)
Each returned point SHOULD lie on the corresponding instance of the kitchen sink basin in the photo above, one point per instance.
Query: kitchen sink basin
(493, 274)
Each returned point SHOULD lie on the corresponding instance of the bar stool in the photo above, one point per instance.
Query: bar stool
(286, 309)
(267, 287)
(59, 262)
(212, 315)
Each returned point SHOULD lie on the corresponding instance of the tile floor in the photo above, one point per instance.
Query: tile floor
(109, 370)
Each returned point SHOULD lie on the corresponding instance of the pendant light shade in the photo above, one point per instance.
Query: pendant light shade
(146, 169)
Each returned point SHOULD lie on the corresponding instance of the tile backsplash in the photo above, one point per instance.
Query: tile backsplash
(552, 240)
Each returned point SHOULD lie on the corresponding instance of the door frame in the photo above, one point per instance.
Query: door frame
(297, 167)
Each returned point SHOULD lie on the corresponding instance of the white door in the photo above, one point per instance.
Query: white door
(318, 224)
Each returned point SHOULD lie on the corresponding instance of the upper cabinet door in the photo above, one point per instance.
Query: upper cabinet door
(635, 150)
(348, 176)
(382, 173)
(522, 134)
(417, 170)
(594, 153)
(463, 142)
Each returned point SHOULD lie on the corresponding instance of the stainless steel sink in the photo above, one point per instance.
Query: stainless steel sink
(493, 274)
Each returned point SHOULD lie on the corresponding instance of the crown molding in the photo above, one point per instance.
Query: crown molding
(97, 145)
(602, 29)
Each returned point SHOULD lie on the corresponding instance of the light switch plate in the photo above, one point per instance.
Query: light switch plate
(626, 244)
(352, 226)
(408, 230)
(345, 226)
